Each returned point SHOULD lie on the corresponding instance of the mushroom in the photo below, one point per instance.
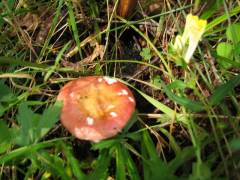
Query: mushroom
(95, 107)
(125, 7)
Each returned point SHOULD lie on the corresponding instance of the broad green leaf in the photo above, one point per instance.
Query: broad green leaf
(34, 126)
(10, 3)
(5, 137)
(1, 21)
(5, 134)
(233, 63)
(146, 54)
(233, 33)
(49, 117)
(6, 94)
(237, 49)
(2, 109)
(223, 90)
(235, 144)
(27, 121)
(225, 50)
(5, 146)
(176, 84)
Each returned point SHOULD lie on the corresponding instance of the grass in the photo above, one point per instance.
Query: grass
(187, 120)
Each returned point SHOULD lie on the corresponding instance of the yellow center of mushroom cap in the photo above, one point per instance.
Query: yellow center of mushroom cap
(97, 100)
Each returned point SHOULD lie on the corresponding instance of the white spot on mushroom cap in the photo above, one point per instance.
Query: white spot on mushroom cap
(72, 94)
(88, 134)
(109, 80)
(79, 132)
(100, 79)
(131, 99)
(111, 106)
(89, 120)
(113, 114)
(122, 92)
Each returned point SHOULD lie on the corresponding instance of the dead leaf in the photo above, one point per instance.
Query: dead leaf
(90, 39)
(30, 21)
(98, 52)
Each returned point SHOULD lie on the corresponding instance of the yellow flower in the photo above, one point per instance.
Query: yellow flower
(193, 31)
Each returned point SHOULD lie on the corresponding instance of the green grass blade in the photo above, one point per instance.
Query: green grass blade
(100, 172)
(105, 144)
(120, 163)
(7, 60)
(182, 157)
(131, 167)
(130, 123)
(73, 26)
(149, 145)
(172, 141)
(26, 150)
(154, 167)
(73, 162)
(222, 18)
(57, 61)
(54, 165)
(52, 29)
(145, 165)
(171, 113)
(191, 105)
(211, 9)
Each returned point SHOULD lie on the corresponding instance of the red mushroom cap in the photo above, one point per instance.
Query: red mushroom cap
(95, 107)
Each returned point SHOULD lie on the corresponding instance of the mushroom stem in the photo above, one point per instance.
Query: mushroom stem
(126, 7)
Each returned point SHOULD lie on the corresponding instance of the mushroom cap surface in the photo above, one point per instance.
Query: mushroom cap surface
(95, 107)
